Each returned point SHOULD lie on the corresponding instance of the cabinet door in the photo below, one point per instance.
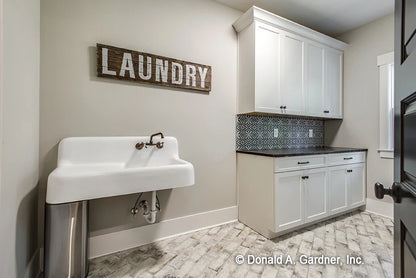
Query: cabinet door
(288, 200)
(337, 189)
(315, 192)
(292, 75)
(333, 83)
(356, 184)
(267, 69)
(315, 79)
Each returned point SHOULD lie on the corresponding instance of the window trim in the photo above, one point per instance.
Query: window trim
(385, 64)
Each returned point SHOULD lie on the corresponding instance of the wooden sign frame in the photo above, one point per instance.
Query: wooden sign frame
(124, 64)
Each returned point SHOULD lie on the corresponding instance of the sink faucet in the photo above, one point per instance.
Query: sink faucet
(159, 145)
(153, 135)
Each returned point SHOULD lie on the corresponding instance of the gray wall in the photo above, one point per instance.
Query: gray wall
(19, 133)
(360, 127)
(74, 102)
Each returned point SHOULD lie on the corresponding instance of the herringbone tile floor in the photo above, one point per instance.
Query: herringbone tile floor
(212, 252)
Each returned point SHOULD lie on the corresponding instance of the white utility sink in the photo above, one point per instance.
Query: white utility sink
(96, 167)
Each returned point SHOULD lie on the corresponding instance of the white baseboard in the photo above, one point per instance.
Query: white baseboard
(33, 267)
(379, 207)
(122, 240)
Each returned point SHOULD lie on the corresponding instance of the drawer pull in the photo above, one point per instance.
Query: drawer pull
(303, 163)
(326, 111)
(349, 171)
(305, 177)
(348, 158)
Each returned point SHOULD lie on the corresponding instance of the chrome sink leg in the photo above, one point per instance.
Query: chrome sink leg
(66, 240)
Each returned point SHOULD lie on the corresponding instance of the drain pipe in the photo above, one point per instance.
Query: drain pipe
(150, 216)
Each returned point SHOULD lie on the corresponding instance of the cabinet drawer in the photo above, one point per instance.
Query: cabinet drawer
(346, 158)
(298, 162)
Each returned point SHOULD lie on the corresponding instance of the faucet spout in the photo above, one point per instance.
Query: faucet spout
(156, 134)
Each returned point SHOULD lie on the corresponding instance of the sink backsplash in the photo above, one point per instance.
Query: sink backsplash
(256, 132)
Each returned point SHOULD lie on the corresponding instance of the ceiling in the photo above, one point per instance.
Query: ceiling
(331, 17)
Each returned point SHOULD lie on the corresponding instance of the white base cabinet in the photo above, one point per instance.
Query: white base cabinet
(355, 178)
(300, 197)
(288, 200)
(337, 190)
(346, 190)
(315, 191)
(280, 194)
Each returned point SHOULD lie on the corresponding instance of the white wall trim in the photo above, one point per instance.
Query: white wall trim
(386, 113)
(385, 59)
(122, 240)
(33, 267)
(379, 207)
(1, 89)
(386, 153)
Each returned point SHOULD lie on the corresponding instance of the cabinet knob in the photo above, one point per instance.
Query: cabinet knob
(305, 177)
(349, 171)
(284, 107)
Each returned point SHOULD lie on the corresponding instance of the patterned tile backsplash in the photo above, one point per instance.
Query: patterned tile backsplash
(256, 133)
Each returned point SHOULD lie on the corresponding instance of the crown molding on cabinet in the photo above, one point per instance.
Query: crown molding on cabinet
(257, 14)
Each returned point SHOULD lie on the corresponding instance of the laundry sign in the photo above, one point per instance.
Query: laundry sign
(124, 64)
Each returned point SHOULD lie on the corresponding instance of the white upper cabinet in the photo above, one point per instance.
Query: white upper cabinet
(286, 68)
(292, 71)
(315, 79)
(333, 83)
(267, 65)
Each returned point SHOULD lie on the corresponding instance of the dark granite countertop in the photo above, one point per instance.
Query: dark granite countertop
(302, 151)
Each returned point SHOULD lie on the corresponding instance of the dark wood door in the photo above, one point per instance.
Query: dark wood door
(403, 190)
